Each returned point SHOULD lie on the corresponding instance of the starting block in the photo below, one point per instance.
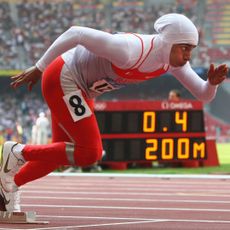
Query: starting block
(20, 218)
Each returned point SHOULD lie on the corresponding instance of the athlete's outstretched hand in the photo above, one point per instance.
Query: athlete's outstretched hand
(217, 74)
(30, 77)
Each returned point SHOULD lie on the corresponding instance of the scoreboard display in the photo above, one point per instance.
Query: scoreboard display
(152, 130)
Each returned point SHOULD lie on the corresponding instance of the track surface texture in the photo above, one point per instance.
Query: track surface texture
(116, 201)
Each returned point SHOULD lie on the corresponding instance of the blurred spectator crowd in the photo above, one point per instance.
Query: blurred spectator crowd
(18, 114)
(28, 27)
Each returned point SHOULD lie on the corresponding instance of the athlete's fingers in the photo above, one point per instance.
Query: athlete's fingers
(222, 68)
(30, 85)
(216, 79)
(212, 68)
(17, 76)
(29, 76)
(220, 73)
(18, 80)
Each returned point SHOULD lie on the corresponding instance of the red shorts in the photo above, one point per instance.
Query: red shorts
(73, 118)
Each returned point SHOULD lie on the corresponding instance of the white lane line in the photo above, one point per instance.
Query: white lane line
(180, 176)
(70, 182)
(137, 222)
(99, 225)
(125, 193)
(125, 208)
(129, 221)
(99, 217)
(126, 199)
(134, 219)
(15, 229)
(122, 188)
(75, 182)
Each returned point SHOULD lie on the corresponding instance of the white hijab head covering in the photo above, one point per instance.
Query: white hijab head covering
(175, 29)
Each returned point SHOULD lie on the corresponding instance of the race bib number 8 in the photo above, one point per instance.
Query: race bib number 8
(77, 105)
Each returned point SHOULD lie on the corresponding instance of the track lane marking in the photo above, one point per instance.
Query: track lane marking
(125, 193)
(111, 188)
(124, 208)
(134, 221)
(127, 199)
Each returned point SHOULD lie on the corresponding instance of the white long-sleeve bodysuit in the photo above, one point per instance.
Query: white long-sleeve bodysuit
(90, 55)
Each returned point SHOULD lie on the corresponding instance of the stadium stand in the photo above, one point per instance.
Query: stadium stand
(218, 13)
(216, 128)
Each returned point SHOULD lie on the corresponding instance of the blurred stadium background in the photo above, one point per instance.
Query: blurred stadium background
(28, 27)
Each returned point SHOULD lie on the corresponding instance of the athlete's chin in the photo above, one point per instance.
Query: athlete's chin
(180, 64)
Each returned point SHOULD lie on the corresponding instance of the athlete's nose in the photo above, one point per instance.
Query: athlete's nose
(188, 56)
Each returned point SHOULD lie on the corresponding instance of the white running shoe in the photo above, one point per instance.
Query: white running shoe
(10, 200)
(11, 162)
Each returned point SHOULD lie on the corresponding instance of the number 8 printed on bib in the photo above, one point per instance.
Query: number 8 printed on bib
(77, 105)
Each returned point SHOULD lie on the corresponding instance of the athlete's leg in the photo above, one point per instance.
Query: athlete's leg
(73, 114)
(33, 170)
(72, 111)
(30, 171)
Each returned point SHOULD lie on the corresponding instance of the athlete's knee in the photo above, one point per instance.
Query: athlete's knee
(83, 155)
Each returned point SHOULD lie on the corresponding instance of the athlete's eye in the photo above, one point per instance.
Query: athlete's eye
(183, 48)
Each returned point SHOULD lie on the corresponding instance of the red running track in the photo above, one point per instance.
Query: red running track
(113, 201)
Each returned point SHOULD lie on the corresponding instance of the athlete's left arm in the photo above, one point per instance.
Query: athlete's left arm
(201, 89)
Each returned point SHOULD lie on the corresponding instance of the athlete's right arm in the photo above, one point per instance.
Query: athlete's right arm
(113, 47)
(29, 77)
(121, 49)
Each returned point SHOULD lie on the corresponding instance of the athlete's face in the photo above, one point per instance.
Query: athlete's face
(180, 54)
